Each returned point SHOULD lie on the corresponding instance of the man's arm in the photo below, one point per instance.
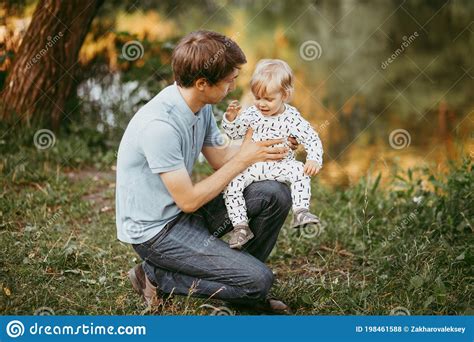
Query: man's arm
(218, 156)
(189, 197)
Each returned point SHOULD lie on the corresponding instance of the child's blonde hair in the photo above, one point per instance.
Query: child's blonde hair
(271, 74)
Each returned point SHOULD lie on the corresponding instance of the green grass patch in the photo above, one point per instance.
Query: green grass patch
(408, 245)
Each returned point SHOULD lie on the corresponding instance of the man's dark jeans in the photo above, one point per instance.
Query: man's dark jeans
(188, 254)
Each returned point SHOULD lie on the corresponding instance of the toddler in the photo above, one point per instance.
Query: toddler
(272, 117)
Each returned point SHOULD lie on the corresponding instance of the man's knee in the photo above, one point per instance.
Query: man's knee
(260, 283)
(275, 193)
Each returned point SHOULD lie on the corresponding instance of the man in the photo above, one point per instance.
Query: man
(175, 225)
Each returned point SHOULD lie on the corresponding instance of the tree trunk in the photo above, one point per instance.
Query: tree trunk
(42, 74)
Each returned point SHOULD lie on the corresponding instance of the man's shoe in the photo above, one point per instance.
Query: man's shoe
(143, 285)
(277, 307)
(271, 306)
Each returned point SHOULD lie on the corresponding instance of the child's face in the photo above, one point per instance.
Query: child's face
(271, 103)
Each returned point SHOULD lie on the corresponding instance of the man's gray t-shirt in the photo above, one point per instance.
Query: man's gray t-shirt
(164, 135)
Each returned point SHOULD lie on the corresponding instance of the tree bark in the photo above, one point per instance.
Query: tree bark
(42, 73)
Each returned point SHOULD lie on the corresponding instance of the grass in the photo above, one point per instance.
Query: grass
(408, 245)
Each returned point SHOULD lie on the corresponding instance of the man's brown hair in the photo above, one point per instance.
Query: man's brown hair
(205, 54)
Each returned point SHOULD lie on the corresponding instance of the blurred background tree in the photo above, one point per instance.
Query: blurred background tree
(346, 93)
(41, 76)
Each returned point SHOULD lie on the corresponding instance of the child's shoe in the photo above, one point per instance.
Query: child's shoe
(240, 236)
(302, 218)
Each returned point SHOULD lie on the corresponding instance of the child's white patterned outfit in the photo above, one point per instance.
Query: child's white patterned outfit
(288, 170)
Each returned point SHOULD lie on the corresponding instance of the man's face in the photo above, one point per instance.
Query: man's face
(214, 94)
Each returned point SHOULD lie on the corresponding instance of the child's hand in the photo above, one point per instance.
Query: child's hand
(311, 168)
(233, 110)
(293, 143)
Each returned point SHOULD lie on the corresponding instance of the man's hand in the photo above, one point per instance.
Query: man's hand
(189, 197)
(233, 110)
(252, 152)
(311, 168)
